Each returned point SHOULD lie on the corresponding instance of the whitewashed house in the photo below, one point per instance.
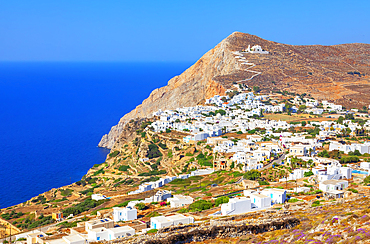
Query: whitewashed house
(161, 221)
(180, 201)
(236, 206)
(276, 195)
(105, 234)
(124, 214)
(331, 185)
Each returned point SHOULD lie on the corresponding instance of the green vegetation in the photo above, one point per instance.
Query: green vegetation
(162, 145)
(153, 214)
(200, 205)
(367, 180)
(113, 154)
(352, 190)
(153, 151)
(12, 215)
(30, 222)
(263, 183)
(308, 174)
(153, 172)
(252, 175)
(100, 171)
(349, 159)
(292, 200)
(66, 192)
(40, 199)
(152, 231)
(140, 206)
(204, 160)
(315, 204)
(123, 167)
(221, 200)
(82, 207)
(67, 224)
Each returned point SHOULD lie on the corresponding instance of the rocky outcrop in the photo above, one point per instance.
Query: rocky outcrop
(337, 73)
(188, 89)
(217, 230)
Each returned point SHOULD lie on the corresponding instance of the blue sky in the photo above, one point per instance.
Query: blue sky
(109, 30)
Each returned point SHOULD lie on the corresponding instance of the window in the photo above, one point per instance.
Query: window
(98, 238)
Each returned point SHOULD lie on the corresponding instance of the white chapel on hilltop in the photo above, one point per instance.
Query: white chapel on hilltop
(256, 49)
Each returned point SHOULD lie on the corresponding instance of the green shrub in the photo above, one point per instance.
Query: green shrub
(315, 204)
(183, 210)
(200, 205)
(153, 214)
(221, 200)
(113, 154)
(352, 190)
(123, 167)
(162, 145)
(153, 172)
(293, 200)
(66, 192)
(263, 183)
(152, 231)
(100, 171)
(252, 175)
(308, 174)
(367, 180)
(153, 151)
(82, 207)
(140, 206)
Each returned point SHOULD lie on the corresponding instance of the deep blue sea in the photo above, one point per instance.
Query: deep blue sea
(52, 116)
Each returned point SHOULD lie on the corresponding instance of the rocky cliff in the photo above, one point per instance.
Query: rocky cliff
(338, 73)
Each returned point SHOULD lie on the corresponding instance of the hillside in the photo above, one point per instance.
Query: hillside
(338, 73)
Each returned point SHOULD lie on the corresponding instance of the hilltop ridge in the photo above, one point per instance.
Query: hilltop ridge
(338, 73)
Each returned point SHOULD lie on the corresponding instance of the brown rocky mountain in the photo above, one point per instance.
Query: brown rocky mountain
(338, 73)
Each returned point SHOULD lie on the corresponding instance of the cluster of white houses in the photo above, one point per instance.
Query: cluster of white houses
(254, 200)
(238, 114)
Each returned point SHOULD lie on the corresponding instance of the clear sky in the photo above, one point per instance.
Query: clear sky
(173, 30)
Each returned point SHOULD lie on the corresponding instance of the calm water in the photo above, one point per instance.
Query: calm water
(52, 116)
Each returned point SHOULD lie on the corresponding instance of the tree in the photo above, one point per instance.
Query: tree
(220, 111)
(252, 175)
(303, 123)
(357, 153)
(308, 174)
(140, 206)
(256, 89)
(221, 200)
(340, 120)
(302, 107)
(349, 116)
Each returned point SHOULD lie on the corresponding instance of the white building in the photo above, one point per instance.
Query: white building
(346, 148)
(333, 185)
(297, 174)
(179, 201)
(98, 197)
(276, 195)
(256, 49)
(236, 206)
(161, 221)
(105, 234)
(365, 165)
(259, 200)
(202, 172)
(124, 214)
(331, 171)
